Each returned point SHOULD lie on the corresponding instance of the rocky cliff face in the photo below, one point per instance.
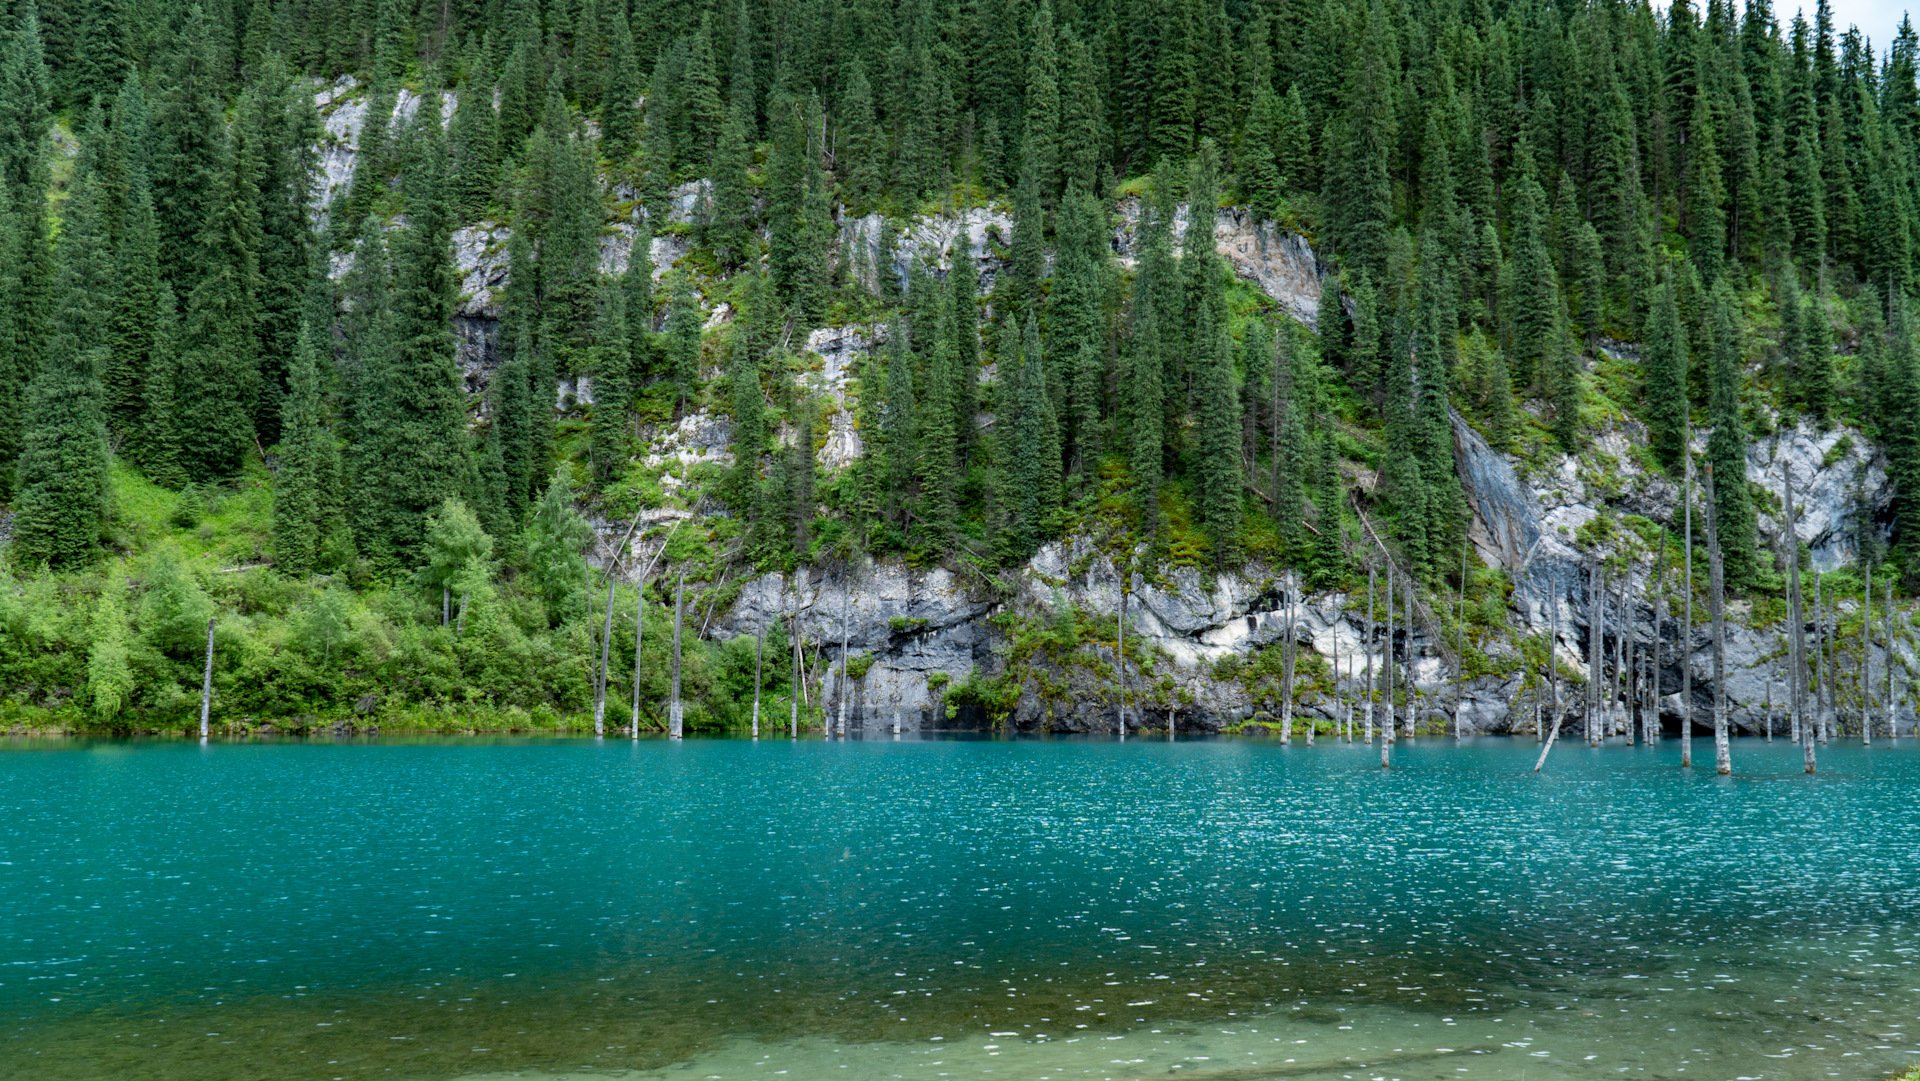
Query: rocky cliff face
(923, 643)
(926, 633)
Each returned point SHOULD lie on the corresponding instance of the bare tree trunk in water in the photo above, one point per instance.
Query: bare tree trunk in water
(1769, 717)
(1553, 677)
(1413, 691)
(1596, 647)
(1817, 684)
(1805, 726)
(840, 721)
(1339, 700)
(1717, 607)
(1866, 660)
(1460, 647)
(639, 636)
(1120, 654)
(759, 649)
(600, 677)
(1620, 705)
(1367, 702)
(795, 688)
(1886, 612)
(1830, 638)
(1631, 696)
(675, 716)
(1286, 668)
(1386, 682)
(206, 686)
(1796, 620)
(1686, 625)
(1659, 637)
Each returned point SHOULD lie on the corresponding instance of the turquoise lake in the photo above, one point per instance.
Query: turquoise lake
(1223, 909)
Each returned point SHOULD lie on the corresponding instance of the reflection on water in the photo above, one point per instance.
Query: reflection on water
(1228, 909)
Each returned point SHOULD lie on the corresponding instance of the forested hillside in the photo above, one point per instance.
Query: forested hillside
(1586, 239)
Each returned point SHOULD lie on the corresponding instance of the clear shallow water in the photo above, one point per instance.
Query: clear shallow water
(1222, 910)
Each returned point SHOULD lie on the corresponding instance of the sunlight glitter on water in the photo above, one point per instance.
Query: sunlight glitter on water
(1070, 909)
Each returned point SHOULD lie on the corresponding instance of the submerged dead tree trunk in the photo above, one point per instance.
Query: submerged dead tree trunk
(1366, 703)
(1830, 664)
(1460, 648)
(1796, 621)
(759, 649)
(1659, 638)
(1886, 611)
(1340, 717)
(840, 720)
(639, 636)
(1386, 682)
(206, 686)
(1553, 677)
(798, 685)
(1596, 648)
(1717, 608)
(1819, 680)
(1866, 659)
(600, 678)
(1620, 705)
(1120, 656)
(1686, 623)
(1286, 667)
(1636, 697)
(676, 717)
(1413, 690)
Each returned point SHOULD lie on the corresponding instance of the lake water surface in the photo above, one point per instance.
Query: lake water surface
(1227, 909)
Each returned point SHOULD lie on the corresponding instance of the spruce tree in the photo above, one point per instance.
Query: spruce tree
(899, 431)
(1359, 192)
(682, 338)
(421, 414)
(569, 250)
(1040, 127)
(1076, 328)
(62, 497)
(612, 367)
(1727, 444)
(798, 226)
(1563, 384)
(136, 307)
(1664, 369)
(1259, 158)
(191, 171)
(1029, 454)
(25, 105)
(729, 228)
(473, 150)
(281, 127)
(934, 474)
(862, 158)
(749, 409)
(218, 373)
(1533, 321)
(1083, 123)
(1813, 368)
(963, 282)
(1217, 443)
(307, 461)
(620, 93)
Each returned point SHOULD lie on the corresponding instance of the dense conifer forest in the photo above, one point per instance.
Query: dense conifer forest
(224, 398)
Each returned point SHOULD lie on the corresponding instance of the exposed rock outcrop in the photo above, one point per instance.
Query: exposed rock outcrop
(927, 640)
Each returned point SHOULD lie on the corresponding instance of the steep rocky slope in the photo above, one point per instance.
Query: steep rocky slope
(931, 649)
